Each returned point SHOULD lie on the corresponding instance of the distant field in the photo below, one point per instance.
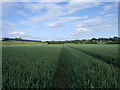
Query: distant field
(60, 66)
(18, 42)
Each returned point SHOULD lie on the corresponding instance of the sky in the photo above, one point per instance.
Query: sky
(59, 20)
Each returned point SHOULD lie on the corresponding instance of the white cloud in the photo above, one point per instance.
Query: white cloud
(57, 26)
(55, 20)
(6, 28)
(54, 10)
(85, 17)
(108, 8)
(109, 15)
(83, 1)
(66, 19)
(8, 7)
(73, 7)
(19, 33)
(6, 23)
(21, 12)
(101, 20)
(82, 29)
(34, 7)
(79, 33)
(96, 19)
(63, 22)
(52, 24)
(34, 26)
(0, 10)
(60, 0)
(31, 20)
(94, 24)
(33, 0)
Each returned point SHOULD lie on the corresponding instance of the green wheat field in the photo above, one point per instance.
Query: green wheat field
(60, 65)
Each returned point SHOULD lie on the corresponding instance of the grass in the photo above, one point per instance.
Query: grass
(63, 66)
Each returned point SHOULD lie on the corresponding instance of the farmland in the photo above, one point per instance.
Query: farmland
(18, 43)
(60, 66)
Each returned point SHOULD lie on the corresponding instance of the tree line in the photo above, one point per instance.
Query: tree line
(113, 40)
(18, 39)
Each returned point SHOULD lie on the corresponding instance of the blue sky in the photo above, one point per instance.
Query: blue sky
(59, 20)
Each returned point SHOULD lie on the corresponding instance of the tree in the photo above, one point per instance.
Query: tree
(18, 38)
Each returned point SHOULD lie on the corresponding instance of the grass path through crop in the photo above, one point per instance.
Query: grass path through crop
(61, 76)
